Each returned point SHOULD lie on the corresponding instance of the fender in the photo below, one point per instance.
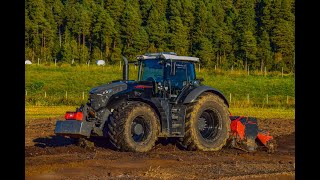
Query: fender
(192, 96)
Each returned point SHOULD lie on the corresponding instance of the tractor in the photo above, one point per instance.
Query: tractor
(167, 101)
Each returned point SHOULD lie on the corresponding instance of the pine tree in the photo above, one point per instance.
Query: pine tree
(67, 54)
(70, 15)
(75, 52)
(140, 41)
(96, 54)
(228, 42)
(181, 10)
(246, 29)
(103, 32)
(283, 41)
(264, 51)
(157, 26)
(36, 10)
(246, 19)
(57, 9)
(282, 35)
(187, 13)
(179, 36)
(115, 8)
(199, 29)
(145, 6)
(85, 55)
(49, 34)
(27, 36)
(205, 52)
(248, 47)
(84, 29)
(130, 26)
(221, 32)
(267, 17)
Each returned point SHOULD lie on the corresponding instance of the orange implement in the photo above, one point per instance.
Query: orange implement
(238, 128)
(264, 137)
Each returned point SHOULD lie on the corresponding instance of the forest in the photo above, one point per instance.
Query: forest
(255, 34)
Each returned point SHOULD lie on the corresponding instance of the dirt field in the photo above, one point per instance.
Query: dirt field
(51, 157)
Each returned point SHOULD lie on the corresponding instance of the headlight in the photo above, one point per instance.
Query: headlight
(105, 92)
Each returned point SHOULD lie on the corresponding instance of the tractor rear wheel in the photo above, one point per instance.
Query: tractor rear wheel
(207, 123)
(133, 127)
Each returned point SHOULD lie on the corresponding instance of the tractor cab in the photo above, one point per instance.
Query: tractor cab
(171, 74)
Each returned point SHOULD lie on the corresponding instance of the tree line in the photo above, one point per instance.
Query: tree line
(257, 34)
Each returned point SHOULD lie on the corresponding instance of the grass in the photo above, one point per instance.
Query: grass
(40, 112)
(264, 113)
(76, 80)
(43, 112)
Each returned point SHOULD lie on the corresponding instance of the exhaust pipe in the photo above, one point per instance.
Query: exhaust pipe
(125, 69)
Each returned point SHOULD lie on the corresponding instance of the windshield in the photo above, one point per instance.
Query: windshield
(151, 70)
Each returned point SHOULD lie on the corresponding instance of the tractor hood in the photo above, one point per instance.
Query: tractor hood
(99, 96)
(112, 86)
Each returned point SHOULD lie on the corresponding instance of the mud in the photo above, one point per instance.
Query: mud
(53, 157)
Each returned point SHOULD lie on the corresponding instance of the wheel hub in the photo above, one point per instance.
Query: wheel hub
(138, 129)
(207, 124)
(202, 123)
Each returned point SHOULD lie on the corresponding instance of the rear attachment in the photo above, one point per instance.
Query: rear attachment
(246, 136)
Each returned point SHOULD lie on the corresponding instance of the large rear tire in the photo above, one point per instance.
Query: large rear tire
(134, 127)
(207, 123)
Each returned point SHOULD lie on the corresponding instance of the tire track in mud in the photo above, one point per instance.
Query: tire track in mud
(285, 147)
(57, 157)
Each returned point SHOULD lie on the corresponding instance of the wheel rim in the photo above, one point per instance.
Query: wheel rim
(139, 129)
(208, 124)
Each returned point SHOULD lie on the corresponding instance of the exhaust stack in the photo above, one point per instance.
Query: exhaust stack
(125, 69)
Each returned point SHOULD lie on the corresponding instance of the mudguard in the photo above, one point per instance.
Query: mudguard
(192, 96)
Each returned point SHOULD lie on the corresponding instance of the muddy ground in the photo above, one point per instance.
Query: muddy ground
(53, 157)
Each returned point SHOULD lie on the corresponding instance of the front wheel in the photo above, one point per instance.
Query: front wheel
(207, 123)
(134, 127)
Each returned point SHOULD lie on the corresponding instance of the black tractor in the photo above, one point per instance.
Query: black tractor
(166, 101)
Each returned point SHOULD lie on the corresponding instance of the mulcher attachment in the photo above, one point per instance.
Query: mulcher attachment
(245, 135)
